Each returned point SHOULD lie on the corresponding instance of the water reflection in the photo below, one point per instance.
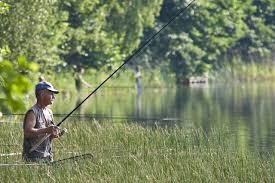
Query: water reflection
(247, 110)
(138, 103)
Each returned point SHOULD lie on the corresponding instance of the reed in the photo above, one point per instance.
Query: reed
(132, 153)
(239, 71)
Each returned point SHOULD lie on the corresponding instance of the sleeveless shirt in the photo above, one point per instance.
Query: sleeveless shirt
(44, 118)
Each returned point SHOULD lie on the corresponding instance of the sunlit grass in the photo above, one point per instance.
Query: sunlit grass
(132, 153)
(239, 71)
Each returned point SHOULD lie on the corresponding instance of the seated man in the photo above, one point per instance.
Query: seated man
(38, 122)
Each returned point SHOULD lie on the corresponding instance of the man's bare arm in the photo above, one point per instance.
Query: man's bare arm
(30, 131)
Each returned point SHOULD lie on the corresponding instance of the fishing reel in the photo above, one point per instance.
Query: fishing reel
(62, 132)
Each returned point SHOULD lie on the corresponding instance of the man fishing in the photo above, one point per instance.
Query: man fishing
(39, 129)
(38, 122)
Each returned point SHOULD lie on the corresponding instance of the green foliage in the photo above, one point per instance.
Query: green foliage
(208, 31)
(15, 77)
(4, 7)
(103, 33)
(259, 40)
(185, 57)
(15, 82)
(34, 29)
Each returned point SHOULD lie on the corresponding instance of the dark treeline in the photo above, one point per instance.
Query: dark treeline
(70, 34)
(212, 31)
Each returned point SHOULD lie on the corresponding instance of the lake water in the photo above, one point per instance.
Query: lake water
(248, 111)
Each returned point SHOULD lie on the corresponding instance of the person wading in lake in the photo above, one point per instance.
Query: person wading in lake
(138, 80)
(38, 122)
(79, 81)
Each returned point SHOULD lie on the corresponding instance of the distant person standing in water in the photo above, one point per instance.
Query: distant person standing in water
(79, 81)
(139, 91)
(138, 79)
(38, 122)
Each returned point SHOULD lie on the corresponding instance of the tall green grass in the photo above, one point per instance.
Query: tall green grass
(240, 71)
(132, 153)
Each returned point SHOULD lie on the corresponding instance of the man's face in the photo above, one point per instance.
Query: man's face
(47, 97)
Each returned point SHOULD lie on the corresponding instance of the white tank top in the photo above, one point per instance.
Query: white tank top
(44, 118)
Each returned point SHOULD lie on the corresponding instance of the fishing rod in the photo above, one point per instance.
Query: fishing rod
(128, 59)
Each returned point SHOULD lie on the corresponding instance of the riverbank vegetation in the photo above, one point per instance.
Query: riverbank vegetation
(232, 72)
(124, 79)
(237, 71)
(129, 152)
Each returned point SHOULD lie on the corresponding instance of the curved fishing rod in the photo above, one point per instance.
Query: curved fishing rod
(136, 51)
(144, 45)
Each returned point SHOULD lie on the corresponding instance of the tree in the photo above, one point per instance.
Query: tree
(4, 8)
(103, 33)
(259, 40)
(15, 83)
(209, 30)
(14, 80)
(34, 29)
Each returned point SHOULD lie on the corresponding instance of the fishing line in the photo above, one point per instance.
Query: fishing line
(135, 52)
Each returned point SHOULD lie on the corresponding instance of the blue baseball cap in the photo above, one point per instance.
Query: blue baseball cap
(45, 85)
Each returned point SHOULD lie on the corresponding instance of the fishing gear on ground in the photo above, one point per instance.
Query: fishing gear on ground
(54, 163)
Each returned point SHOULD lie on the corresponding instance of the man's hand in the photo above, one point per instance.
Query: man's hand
(54, 131)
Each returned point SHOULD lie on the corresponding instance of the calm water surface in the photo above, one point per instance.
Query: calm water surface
(248, 111)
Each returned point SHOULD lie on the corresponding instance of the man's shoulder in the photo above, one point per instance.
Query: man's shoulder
(49, 110)
(29, 111)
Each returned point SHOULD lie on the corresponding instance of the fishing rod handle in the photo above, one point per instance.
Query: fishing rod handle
(39, 142)
(62, 132)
